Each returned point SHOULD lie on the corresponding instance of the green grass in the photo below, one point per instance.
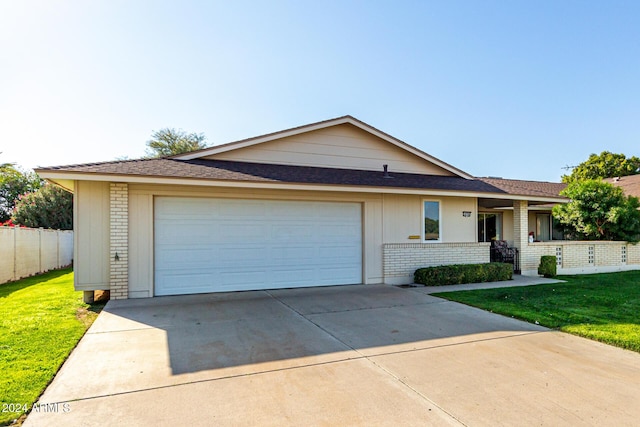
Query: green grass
(602, 307)
(41, 320)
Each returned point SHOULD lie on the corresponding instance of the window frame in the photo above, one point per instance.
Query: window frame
(439, 202)
(499, 225)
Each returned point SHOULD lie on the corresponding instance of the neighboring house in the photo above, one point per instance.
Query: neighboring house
(330, 203)
(629, 184)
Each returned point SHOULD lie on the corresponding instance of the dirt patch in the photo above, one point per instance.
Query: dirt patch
(87, 315)
(101, 296)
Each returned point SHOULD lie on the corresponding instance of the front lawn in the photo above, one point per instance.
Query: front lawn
(603, 307)
(42, 319)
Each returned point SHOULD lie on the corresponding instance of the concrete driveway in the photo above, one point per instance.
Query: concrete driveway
(350, 355)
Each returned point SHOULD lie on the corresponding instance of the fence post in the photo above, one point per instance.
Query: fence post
(57, 248)
(15, 252)
(40, 250)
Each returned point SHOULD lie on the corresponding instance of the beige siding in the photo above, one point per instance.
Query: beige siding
(386, 219)
(455, 227)
(344, 146)
(507, 226)
(402, 215)
(91, 246)
(140, 245)
(372, 240)
(403, 218)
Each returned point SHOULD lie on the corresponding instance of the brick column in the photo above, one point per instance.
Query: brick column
(521, 231)
(119, 240)
(520, 224)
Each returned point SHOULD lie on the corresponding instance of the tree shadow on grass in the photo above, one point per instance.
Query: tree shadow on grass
(8, 288)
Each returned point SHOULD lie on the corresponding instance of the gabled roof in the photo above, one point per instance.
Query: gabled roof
(317, 126)
(629, 184)
(244, 172)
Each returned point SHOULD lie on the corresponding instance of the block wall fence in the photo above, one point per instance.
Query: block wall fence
(28, 251)
(583, 257)
(573, 257)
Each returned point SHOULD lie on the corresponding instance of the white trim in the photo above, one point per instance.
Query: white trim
(317, 126)
(82, 176)
(439, 202)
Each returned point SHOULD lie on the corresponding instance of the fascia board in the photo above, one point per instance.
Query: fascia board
(135, 179)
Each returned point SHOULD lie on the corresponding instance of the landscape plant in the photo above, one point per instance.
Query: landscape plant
(598, 211)
(548, 266)
(463, 273)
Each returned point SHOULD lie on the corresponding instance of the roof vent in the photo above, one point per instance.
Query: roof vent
(616, 179)
(386, 171)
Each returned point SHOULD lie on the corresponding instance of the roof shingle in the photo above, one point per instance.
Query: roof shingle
(224, 170)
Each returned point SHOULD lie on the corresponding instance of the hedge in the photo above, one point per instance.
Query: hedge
(547, 267)
(463, 273)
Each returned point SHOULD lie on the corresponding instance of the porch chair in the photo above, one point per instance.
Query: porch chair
(501, 252)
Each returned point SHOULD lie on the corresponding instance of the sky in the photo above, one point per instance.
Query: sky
(515, 89)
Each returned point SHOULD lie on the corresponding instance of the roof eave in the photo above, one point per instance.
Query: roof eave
(67, 176)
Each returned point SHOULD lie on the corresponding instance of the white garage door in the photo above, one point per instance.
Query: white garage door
(218, 245)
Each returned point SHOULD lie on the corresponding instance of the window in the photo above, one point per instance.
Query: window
(545, 228)
(431, 221)
(489, 227)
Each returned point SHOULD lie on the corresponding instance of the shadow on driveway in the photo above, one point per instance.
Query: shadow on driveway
(347, 355)
(213, 332)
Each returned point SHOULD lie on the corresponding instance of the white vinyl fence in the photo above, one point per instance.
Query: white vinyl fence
(28, 251)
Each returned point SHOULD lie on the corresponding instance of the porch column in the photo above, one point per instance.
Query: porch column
(520, 224)
(521, 229)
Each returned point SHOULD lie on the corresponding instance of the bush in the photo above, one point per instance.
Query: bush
(49, 207)
(547, 267)
(463, 273)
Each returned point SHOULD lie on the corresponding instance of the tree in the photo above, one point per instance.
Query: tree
(169, 142)
(598, 211)
(604, 165)
(13, 183)
(48, 207)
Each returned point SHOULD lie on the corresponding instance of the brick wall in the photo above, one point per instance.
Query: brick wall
(633, 254)
(119, 240)
(582, 257)
(400, 260)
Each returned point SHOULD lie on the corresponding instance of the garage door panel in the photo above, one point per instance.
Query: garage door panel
(167, 230)
(326, 275)
(293, 254)
(300, 276)
(216, 245)
(289, 232)
(185, 259)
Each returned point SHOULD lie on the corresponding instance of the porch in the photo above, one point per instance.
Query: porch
(513, 221)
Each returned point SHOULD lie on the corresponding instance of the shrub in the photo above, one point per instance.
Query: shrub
(463, 273)
(547, 267)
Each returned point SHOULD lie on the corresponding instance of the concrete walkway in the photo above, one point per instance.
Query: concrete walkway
(349, 355)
